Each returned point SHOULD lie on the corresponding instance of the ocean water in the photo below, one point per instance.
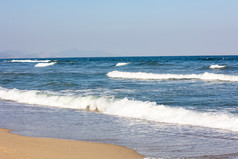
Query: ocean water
(163, 107)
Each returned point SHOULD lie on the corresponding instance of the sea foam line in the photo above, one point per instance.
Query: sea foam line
(125, 108)
(154, 76)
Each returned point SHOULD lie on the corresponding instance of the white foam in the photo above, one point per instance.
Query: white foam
(122, 64)
(154, 76)
(30, 61)
(152, 158)
(217, 66)
(44, 64)
(125, 108)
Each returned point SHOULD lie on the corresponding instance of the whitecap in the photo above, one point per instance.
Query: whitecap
(30, 61)
(154, 76)
(44, 64)
(217, 66)
(122, 64)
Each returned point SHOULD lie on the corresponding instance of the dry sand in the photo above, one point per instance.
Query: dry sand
(20, 147)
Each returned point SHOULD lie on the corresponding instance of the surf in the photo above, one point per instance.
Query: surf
(124, 107)
(122, 64)
(29, 61)
(217, 66)
(155, 76)
(44, 64)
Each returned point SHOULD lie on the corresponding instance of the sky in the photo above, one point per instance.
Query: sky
(121, 27)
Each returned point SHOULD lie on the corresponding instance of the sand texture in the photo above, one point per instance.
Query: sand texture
(20, 147)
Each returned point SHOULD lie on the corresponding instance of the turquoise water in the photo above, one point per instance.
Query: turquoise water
(167, 107)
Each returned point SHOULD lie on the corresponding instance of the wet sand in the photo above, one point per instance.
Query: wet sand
(14, 146)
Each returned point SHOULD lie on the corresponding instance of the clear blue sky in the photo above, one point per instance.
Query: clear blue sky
(123, 27)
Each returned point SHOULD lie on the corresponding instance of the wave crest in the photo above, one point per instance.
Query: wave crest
(122, 64)
(125, 108)
(44, 64)
(30, 61)
(153, 76)
(217, 66)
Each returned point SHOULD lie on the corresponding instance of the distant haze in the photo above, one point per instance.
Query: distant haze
(16, 54)
(118, 28)
(66, 53)
(83, 53)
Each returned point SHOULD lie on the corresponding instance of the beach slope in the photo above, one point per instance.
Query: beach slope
(15, 146)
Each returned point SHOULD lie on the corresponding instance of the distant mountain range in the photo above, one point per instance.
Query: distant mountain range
(66, 53)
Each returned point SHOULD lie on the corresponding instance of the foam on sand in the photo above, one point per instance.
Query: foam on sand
(122, 64)
(153, 76)
(125, 108)
(44, 64)
(217, 66)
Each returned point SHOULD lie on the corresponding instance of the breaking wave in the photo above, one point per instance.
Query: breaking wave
(30, 61)
(217, 66)
(44, 64)
(124, 108)
(122, 64)
(153, 76)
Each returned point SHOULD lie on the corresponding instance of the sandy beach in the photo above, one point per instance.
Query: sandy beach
(14, 146)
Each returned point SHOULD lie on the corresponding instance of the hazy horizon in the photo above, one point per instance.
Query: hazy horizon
(86, 54)
(120, 28)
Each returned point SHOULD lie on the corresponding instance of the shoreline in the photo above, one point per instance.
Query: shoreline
(22, 147)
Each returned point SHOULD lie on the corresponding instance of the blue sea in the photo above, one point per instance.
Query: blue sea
(163, 107)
